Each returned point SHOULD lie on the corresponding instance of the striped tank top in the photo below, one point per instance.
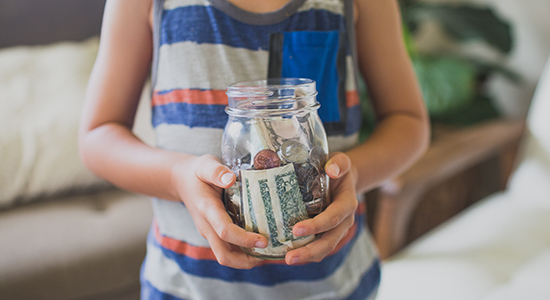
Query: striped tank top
(201, 46)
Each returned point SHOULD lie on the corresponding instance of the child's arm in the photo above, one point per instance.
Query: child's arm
(400, 138)
(108, 147)
(402, 134)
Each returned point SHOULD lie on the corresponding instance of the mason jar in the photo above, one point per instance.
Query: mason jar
(275, 143)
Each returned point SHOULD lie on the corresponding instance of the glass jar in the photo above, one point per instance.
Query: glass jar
(276, 144)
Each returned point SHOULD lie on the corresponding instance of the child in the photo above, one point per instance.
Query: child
(196, 48)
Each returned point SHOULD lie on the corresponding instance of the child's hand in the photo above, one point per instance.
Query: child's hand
(199, 184)
(335, 221)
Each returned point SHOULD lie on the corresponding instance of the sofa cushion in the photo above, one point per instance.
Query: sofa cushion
(529, 282)
(474, 254)
(41, 97)
(87, 246)
(533, 172)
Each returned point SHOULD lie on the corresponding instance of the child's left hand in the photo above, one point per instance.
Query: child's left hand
(336, 220)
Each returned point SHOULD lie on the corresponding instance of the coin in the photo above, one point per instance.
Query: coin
(266, 159)
(315, 207)
(318, 157)
(294, 152)
(307, 174)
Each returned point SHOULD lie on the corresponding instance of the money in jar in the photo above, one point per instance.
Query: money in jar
(275, 143)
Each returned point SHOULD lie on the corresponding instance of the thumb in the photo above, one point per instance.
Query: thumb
(338, 165)
(210, 170)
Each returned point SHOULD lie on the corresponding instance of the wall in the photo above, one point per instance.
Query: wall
(42, 22)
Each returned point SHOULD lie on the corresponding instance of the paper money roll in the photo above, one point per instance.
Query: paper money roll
(272, 204)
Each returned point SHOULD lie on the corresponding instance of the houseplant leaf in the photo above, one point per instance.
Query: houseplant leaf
(447, 83)
(464, 22)
(482, 108)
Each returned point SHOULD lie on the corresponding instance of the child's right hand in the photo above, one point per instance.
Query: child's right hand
(199, 182)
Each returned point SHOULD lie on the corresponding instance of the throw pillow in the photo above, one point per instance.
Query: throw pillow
(41, 97)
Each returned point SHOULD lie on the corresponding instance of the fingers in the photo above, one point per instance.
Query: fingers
(337, 218)
(338, 165)
(227, 254)
(344, 204)
(224, 237)
(323, 246)
(214, 212)
(332, 217)
(200, 189)
(211, 171)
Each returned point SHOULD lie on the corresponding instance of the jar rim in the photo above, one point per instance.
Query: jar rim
(273, 96)
(270, 83)
(267, 113)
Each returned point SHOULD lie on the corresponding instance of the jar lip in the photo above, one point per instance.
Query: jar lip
(266, 113)
(273, 96)
(270, 83)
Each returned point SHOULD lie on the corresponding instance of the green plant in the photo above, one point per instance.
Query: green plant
(452, 84)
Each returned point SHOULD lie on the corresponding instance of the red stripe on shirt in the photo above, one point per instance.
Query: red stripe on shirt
(206, 253)
(190, 96)
(352, 98)
(216, 97)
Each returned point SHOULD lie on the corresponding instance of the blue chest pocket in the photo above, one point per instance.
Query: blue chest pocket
(317, 55)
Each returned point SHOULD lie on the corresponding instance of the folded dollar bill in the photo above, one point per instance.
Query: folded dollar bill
(271, 205)
(272, 133)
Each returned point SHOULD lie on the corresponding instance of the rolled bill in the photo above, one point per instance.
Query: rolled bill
(272, 204)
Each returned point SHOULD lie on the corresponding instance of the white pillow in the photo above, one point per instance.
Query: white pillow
(41, 97)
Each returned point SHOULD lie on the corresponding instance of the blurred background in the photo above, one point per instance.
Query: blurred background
(468, 221)
(525, 55)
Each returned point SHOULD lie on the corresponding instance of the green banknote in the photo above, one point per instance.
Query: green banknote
(273, 205)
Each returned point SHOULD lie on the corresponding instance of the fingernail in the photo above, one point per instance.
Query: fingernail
(295, 260)
(226, 178)
(259, 244)
(300, 231)
(334, 169)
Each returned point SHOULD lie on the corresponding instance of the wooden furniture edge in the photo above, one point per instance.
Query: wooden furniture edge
(447, 156)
